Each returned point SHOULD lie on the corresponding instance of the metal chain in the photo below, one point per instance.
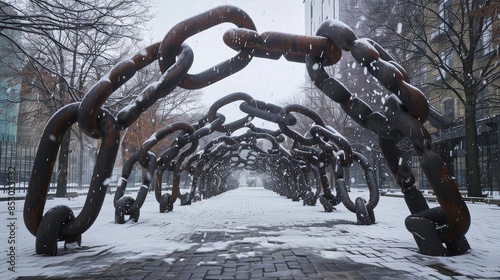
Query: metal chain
(59, 223)
(406, 111)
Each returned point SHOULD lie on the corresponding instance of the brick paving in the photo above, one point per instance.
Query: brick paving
(242, 260)
(256, 234)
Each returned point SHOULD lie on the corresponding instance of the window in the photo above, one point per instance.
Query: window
(446, 63)
(459, 169)
(322, 11)
(353, 4)
(336, 9)
(311, 11)
(487, 43)
(311, 16)
(449, 108)
(332, 8)
(379, 3)
(381, 31)
(420, 46)
(445, 14)
(420, 77)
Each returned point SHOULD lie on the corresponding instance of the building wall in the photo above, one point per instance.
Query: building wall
(443, 45)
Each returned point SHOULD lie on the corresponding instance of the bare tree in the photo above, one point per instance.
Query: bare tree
(44, 18)
(66, 46)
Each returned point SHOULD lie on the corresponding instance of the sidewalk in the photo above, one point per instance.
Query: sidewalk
(252, 233)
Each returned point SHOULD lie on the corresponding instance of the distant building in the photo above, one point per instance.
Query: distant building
(10, 88)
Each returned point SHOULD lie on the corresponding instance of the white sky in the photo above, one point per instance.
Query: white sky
(267, 80)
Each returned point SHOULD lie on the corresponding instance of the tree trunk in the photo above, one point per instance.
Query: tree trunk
(80, 162)
(471, 153)
(62, 176)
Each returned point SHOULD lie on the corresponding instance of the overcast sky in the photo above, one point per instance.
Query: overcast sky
(266, 80)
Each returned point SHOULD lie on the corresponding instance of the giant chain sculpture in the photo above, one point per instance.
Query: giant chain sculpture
(404, 113)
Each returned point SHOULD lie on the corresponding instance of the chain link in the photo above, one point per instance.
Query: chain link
(185, 29)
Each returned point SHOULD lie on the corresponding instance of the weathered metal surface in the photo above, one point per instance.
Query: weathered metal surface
(317, 159)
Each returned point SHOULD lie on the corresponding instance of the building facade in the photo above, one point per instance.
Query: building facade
(10, 89)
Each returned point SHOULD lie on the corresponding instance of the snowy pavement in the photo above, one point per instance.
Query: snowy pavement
(252, 233)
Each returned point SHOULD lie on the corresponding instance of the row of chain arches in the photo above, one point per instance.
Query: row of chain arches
(437, 231)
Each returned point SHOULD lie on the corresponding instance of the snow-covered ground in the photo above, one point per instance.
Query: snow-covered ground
(386, 243)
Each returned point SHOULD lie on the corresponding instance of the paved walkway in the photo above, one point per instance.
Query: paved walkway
(252, 233)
